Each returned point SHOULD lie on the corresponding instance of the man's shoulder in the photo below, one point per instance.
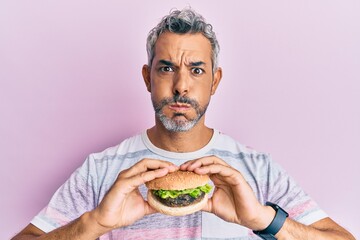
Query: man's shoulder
(126, 146)
(228, 143)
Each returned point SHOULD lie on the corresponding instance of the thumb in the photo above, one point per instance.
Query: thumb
(148, 209)
(208, 206)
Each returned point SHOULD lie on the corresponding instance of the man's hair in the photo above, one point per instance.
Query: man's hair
(182, 22)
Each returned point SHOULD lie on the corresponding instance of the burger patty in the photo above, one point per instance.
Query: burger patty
(180, 201)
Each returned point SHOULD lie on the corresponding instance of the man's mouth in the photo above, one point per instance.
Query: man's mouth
(179, 107)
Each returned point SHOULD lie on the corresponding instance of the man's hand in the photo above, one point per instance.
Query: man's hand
(123, 204)
(233, 199)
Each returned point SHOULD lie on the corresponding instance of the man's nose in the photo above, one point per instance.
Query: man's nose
(181, 83)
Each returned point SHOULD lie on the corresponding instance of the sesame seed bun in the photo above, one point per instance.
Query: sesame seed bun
(178, 180)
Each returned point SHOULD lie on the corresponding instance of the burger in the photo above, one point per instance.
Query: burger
(178, 193)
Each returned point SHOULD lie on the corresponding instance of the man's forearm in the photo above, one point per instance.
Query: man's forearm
(83, 228)
(320, 231)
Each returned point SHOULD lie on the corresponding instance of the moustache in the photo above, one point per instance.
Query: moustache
(177, 99)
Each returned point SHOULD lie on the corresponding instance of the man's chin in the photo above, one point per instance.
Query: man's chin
(180, 119)
(179, 128)
(178, 125)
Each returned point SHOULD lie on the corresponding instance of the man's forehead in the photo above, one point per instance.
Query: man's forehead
(183, 47)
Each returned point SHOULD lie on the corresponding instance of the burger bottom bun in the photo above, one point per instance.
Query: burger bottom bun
(176, 211)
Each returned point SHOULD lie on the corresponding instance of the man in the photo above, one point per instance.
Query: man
(105, 198)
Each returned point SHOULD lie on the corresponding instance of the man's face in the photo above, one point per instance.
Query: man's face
(181, 80)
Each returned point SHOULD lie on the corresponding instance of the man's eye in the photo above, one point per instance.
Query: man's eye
(197, 71)
(166, 69)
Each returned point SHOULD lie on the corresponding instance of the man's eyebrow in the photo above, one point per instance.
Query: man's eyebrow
(166, 62)
(171, 64)
(196, 64)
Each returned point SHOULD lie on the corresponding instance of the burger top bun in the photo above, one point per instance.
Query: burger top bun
(178, 180)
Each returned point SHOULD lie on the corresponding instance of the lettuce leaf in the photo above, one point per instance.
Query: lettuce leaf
(193, 192)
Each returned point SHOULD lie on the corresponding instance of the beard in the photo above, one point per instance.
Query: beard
(176, 125)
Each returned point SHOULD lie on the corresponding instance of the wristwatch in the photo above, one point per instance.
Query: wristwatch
(274, 227)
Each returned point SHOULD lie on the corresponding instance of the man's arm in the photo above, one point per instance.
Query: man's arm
(84, 227)
(29, 232)
(323, 229)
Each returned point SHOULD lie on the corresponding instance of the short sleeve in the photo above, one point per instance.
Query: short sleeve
(285, 192)
(75, 197)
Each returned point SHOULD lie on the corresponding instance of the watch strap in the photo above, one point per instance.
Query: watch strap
(276, 224)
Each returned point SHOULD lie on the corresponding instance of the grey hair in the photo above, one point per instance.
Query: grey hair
(181, 22)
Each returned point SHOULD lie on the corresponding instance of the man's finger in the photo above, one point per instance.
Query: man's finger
(146, 165)
(209, 160)
(149, 210)
(227, 173)
(137, 180)
(208, 206)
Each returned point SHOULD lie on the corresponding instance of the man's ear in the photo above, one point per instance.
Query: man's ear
(146, 77)
(216, 80)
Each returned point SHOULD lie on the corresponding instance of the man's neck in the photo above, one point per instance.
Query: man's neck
(188, 141)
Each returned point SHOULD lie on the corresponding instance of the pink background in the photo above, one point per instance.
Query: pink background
(70, 84)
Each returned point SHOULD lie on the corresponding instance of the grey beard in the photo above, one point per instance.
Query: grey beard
(178, 125)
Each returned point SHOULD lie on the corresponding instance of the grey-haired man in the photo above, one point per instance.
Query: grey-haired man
(253, 197)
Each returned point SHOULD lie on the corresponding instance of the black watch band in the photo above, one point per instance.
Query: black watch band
(276, 224)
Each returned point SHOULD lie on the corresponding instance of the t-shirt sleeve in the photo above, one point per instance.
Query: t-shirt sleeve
(75, 197)
(285, 192)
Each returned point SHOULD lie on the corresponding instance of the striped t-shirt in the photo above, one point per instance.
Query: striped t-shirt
(86, 187)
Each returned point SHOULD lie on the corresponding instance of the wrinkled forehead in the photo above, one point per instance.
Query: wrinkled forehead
(182, 48)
